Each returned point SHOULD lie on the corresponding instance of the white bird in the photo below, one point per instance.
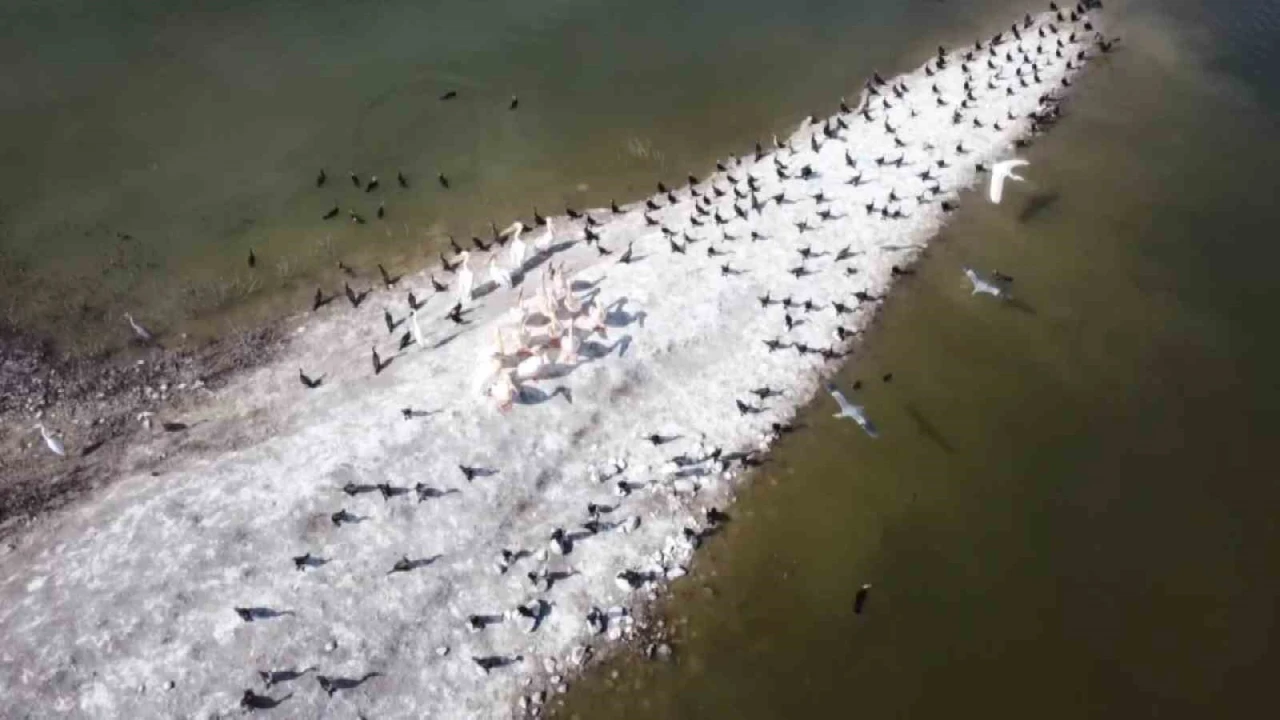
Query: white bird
(530, 367)
(982, 286)
(466, 279)
(518, 249)
(568, 347)
(855, 413)
(142, 333)
(499, 274)
(418, 338)
(504, 390)
(544, 240)
(999, 172)
(53, 443)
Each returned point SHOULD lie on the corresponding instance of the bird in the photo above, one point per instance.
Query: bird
(1000, 171)
(321, 178)
(377, 361)
(466, 279)
(333, 213)
(855, 413)
(51, 442)
(387, 279)
(469, 472)
(373, 184)
(400, 178)
(309, 382)
(444, 181)
(499, 274)
(139, 331)
(515, 103)
(982, 286)
(860, 599)
(253, 259)
(449, 95)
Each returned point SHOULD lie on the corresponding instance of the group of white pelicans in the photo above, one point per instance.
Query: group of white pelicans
(539, 332)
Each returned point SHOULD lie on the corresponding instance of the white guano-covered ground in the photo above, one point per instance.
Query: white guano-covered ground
(123, 607)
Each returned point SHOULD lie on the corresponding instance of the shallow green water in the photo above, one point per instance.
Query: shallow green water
(198, 134)
(1069, 514)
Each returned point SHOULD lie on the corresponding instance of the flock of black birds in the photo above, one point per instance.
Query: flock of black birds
(1025, 49)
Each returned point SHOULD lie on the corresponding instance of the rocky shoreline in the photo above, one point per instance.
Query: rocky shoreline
(96, 403)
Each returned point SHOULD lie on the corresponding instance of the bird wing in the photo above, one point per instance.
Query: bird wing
(997, 184)
(846, 407)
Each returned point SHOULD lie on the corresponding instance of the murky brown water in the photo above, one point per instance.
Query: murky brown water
(1068, 514)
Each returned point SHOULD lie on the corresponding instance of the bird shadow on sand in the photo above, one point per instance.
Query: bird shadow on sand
(531, 395)
(1038, 204)
(250, 614)
(446, 340)
(928, 429)
(332, 685)
(271, 678)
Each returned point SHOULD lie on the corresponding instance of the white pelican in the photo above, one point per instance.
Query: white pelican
(999, 172)
(466, 279)
(851, 411)
(51, 442)
(418, 338)
(504, 390)
(530, 367)
(597, 319)
(569, 347)
(492, 366)
(544, 240)
(573, 304)
(141, 332)
(982, 286)
(499, 274)
(518, 247)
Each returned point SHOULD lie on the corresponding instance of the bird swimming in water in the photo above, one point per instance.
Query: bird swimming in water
(999, 172)
(373, 184)
(515, 103)
(333, 213)
(449, 95)
(253, 259)
(855, 413)
(444, 181)
(982, 286)
(320, 179)
(860, 599)
(51, 442)
(355, 180)
(404, 181)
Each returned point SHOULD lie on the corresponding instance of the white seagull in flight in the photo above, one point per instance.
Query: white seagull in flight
(981, 286)
(851, 411)
(999, 172)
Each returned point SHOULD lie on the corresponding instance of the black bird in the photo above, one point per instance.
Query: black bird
(301, 562)
(321, 178)
(387, 279)
(333, 213)
(253, 259)
(455, 315)
(391, 322)
(400, 178)
(675, 247)
(373, 184)
(479, 244)
(438, 286)
(413, 301)
(382, 210)
(515, 103)
(377, 361)
(446, 266)
(319, 301)
(449, 95)
(355, 180)
(791, 323)
(309, 382)
(468, 472)
(841, 308)
(444, 181)
(613, 206)
(352, 297)
(626, 256)
(251, 701)
(745, 409)
(775, 345)
(340, 517)
(766, 301)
